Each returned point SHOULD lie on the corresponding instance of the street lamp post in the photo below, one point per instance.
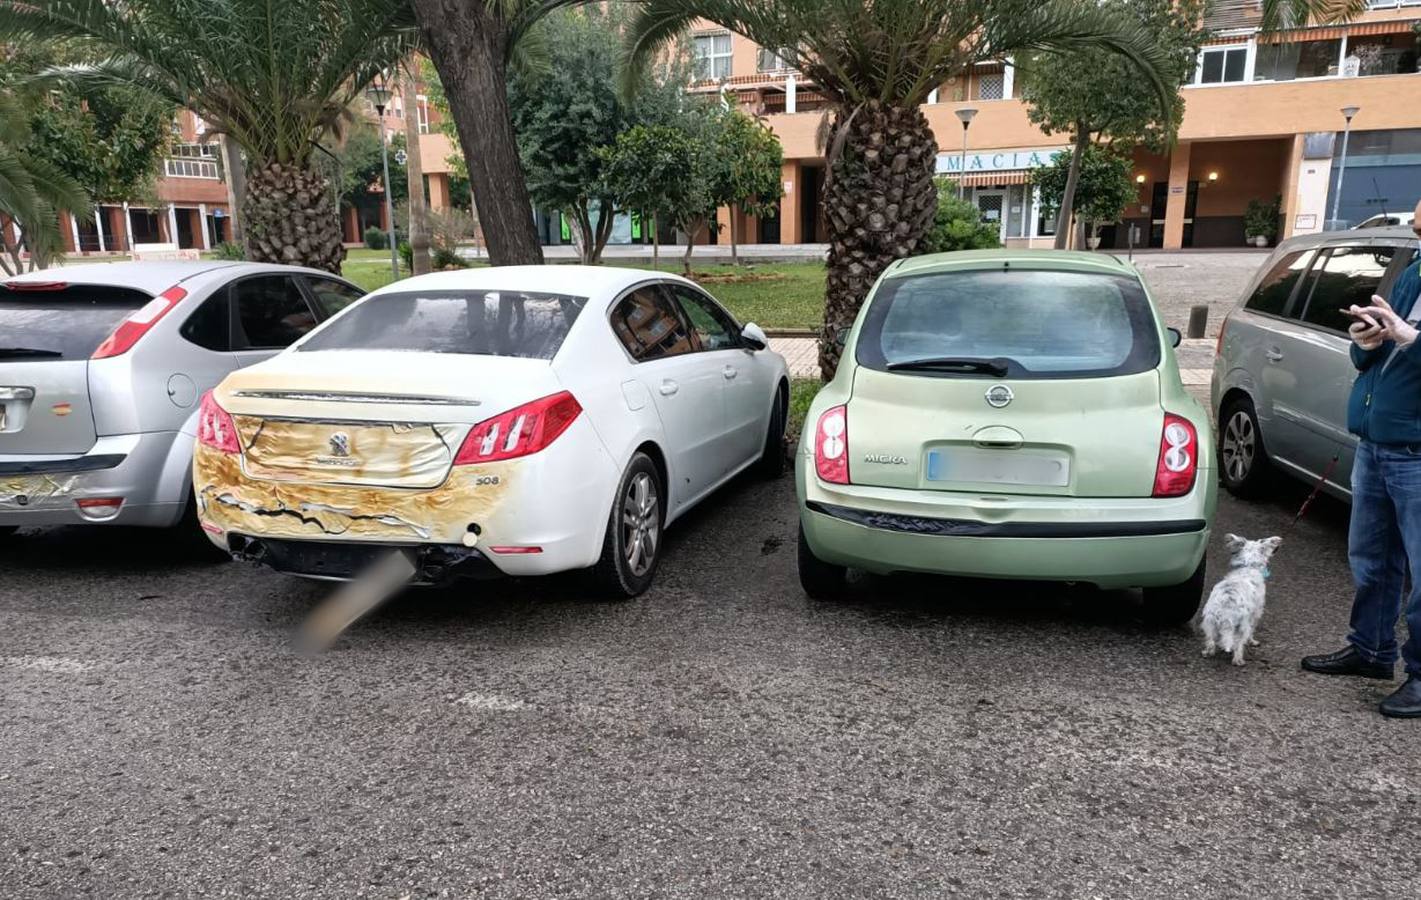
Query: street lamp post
(379, 96)
(965, 114)
(1347, 112)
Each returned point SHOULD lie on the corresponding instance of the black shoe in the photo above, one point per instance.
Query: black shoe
(1405, 702)
(1347, 662)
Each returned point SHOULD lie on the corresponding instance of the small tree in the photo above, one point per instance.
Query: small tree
(1093, 94)
(667, 170)
(958, 224)
(1103, 186)
(754, 160)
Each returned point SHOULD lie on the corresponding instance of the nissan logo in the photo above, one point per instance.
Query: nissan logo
(999, 395)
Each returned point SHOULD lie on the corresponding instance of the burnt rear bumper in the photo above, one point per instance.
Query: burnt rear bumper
(333, 561)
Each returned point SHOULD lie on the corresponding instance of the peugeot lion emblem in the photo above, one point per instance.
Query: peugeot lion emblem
(999, 395)
(340, 444)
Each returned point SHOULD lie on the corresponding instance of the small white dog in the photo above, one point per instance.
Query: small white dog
(1236, 602)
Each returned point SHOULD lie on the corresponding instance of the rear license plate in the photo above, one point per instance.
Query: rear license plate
(1017, 467)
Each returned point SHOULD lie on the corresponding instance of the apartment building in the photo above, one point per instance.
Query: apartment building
(1263, 120)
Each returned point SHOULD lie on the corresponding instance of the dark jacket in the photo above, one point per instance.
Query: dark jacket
(1385, 406)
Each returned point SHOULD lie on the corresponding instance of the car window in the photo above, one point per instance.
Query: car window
(648, 325)
(1271, 295)
(1035, 323)
(1346, 276)
(332, 296)
(210, 325)
(711, 327)
(529, 324)
(271, 313)
(59, 321)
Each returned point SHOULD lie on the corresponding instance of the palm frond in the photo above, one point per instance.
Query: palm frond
(1281, 14)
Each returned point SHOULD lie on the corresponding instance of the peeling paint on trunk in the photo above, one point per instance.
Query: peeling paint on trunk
(36, 490)
(405, 455)
(234, 500)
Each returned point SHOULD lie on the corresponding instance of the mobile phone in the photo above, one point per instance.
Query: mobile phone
(1360, 316)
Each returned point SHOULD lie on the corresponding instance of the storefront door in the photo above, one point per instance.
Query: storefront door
(993, 207)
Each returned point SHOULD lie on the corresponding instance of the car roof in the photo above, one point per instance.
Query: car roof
(1066, 260)
(1388, 233)
(153, 276)
(575, 281)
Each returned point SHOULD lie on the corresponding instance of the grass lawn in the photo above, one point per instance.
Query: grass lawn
(773, 295)
(801, 393)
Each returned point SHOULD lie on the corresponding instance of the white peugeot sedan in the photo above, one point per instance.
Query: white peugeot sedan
(514, 420)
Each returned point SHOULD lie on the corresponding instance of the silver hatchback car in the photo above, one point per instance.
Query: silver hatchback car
(1283, 370)
(102, 367)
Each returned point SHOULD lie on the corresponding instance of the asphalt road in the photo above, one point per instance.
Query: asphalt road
(721, 736)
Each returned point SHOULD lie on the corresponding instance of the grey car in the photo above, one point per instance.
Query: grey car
(1283, 370)
(102, 367)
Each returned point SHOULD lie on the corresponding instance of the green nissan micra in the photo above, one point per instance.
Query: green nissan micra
(1009, 414)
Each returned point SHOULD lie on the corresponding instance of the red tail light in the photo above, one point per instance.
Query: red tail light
(215, 427)
(1178, 464)
(831, 445)
(520, 431)
(136, 325)
(36, 285)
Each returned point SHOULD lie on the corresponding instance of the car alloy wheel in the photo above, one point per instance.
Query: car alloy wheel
(1239, 446)
(641, 524)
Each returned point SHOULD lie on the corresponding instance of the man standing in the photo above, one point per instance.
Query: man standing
(1384, 411)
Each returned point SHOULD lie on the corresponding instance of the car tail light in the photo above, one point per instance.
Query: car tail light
(137, 324)
(520, 431)
(831, 445)
(517, 551)
(99, 508)
(215, 427)
(1178, 457)
(36, 285)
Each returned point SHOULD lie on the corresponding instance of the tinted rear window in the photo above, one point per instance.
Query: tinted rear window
(71, 322)
(486, 323)
(1041, 324)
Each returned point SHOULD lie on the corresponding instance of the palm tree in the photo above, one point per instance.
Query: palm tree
(273, 75)
(877, 61)
(1281, 14)
(32, 193)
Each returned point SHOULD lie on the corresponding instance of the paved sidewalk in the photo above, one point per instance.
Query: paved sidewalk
(1196, 358)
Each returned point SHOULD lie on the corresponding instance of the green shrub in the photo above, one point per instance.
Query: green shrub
(1261, 218)
(229, 250)
(958, 224)
(406, 256)
(375, 238)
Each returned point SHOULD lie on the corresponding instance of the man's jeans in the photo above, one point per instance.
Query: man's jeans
(1385, 534)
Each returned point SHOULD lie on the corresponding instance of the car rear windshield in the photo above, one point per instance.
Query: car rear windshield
(485, 323)
(1003, 322)
(61, 322)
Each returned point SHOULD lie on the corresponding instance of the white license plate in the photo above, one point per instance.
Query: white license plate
(1016, 467)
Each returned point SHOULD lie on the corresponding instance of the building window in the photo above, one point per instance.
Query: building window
(1223, 66)
(712, 54)
(991, 86)
(1390, 54)
(190, 168)
(1301, 59)
(772, 61)
(423, 106)
(194, 151)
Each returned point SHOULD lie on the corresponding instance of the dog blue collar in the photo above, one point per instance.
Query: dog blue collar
(1267, 573)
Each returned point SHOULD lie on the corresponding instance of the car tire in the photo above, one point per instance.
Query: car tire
(772, 457)
(1243, 460)
(631, 549)
(1178, 603)
(820, 580)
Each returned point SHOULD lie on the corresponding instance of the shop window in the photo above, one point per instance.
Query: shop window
(712, 56)
(1223, 65)
(1304, 59)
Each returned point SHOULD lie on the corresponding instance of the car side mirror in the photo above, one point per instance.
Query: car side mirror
(1175, 337)
(754, 336)
(841, 336)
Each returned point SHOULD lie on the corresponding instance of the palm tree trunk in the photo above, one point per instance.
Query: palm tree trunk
(469, 46)
(879, 199)
(236, 186)
(1065, 235)
(292, 218)
(414, 169)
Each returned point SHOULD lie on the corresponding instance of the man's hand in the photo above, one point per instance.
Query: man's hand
(1394, 327)
(1368, 337)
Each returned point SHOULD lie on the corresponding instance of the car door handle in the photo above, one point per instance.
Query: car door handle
(668, 387)
(1274, 354)
(730, 371)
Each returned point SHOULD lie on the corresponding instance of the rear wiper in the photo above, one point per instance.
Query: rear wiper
(28, 351)
(998, 367)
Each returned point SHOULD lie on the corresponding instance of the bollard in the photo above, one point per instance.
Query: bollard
(1198, 321)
